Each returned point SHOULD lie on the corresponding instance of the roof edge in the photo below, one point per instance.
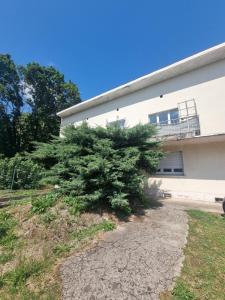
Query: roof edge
(193, 62)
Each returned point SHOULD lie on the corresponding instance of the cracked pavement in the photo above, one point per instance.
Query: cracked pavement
(138, 260)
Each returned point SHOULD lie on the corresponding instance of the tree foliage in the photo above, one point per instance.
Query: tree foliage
(47, 94)
(10, 105)
(30, 97)
(19, 172)
(100, 166)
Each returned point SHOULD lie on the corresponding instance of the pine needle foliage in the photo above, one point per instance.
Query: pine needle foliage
(100, 167)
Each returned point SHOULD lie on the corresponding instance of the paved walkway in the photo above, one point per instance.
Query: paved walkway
(139, 260)
(193, 204)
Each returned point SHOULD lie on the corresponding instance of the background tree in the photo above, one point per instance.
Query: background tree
(11, 102)
(30, 97)
(47, 93)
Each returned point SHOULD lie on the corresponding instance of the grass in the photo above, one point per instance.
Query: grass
(48, 217)
(33, 244)
(15, 193)
(91, 231)
(20, 197)
(17, 278)
(203, 272)
(14, 284)
(81, 236)
(34, 240)
(8, 239)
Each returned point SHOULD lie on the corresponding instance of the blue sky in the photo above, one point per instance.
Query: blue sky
(100, 44)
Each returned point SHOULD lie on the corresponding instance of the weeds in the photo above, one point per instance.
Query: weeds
(8, 238)
(23, 271)
(7, 224)
(5, 257)
(82, 235)
(60, 249)
(48, 217)
(15, 280)
(181, 292)
(76, 206)
(35, 278)
(92, 230)
(41, 204)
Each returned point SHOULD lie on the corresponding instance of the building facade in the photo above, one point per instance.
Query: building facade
(186, 101)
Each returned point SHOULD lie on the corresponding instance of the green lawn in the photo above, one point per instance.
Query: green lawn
(203, 272)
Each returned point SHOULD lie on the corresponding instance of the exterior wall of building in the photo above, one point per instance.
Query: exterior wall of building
(204, 173)
(204, 164)
(205, 85)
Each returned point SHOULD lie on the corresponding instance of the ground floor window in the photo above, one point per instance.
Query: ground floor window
(171, 164)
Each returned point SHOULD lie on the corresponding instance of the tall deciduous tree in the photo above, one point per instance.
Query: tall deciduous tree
(11, 102)
(43, 92)
(47, 93)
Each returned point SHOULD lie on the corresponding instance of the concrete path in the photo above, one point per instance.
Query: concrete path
(138, 260)
(193, 204)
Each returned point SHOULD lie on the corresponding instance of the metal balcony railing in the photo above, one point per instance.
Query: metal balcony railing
(180, 128)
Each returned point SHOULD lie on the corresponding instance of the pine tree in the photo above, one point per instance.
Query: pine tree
(100, 166)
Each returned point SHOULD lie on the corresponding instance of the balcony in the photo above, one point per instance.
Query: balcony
(179, 128)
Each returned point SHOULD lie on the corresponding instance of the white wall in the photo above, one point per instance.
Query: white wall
(205, 85)
(204, 172)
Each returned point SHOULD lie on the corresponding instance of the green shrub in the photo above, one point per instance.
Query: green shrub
(100, 167)
(26, 173)
(108, 225)
(42, 203)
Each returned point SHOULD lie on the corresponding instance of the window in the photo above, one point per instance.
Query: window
(174, 116)
(120, 123)
(153, 119)
(165, 117)
(172, 164)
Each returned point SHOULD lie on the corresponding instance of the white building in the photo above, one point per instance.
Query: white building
(186, 100)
